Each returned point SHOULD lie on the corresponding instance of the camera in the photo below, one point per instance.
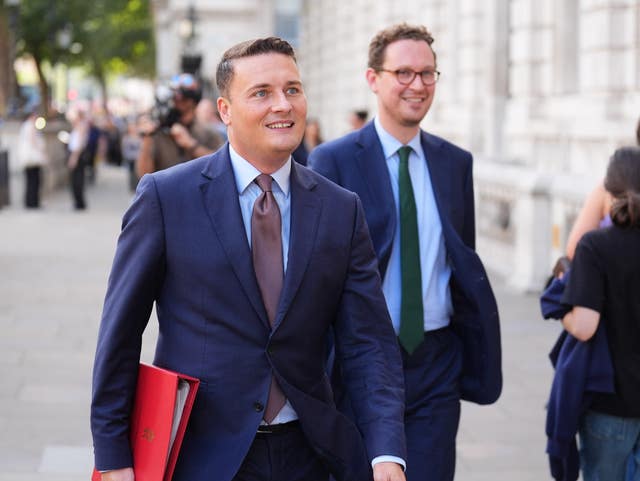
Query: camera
(164, 112)
(181, 87)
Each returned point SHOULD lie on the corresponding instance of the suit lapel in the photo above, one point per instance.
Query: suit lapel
(305, 211)
(373, 169)
(221, 203)
(440, 174)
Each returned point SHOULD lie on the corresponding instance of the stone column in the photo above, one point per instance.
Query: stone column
(496, 76)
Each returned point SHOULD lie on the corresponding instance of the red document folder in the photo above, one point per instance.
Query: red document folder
(157, 411)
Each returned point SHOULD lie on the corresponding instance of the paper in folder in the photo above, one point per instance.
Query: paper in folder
(161, 409)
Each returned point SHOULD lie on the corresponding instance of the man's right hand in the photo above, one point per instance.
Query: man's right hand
(125, 474)
(146, 126)
(387, 471)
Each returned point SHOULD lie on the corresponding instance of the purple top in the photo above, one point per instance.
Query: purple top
(606, 221)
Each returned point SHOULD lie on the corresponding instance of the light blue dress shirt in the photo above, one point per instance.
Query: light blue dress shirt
(436, 272)
(248, 191)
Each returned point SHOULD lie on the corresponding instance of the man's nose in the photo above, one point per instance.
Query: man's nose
(281, 103)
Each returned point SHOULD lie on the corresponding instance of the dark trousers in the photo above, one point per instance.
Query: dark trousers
(432, 413)
(77, 185)
(32, 186)
(282, 456)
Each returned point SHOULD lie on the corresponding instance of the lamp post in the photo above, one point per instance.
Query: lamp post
(190, 59)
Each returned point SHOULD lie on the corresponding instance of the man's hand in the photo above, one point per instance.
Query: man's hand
(182, 136)
(386, 471)
(146, 126)
(125, 474)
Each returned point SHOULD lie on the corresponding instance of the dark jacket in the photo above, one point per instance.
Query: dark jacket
(581, 369)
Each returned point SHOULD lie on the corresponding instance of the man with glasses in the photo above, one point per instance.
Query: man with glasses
(176, 136)
(417, 191)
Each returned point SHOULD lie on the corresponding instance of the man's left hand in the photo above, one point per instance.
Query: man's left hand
(388, 471)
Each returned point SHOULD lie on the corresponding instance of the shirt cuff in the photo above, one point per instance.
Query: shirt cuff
(389, 459)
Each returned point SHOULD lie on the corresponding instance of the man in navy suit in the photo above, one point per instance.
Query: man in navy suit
(186, 245)
(417, 193)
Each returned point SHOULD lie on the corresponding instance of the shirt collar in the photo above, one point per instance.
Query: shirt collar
(390, 144)
(245, 173)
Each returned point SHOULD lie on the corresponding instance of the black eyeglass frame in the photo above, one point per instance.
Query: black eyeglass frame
(397, 72)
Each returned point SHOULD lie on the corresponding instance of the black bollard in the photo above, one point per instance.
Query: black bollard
(4, 178)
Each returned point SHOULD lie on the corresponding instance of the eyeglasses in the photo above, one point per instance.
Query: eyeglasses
(406, 77)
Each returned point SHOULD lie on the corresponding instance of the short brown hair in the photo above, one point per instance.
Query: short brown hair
(401, 31)
(623, 183)
(248, 48)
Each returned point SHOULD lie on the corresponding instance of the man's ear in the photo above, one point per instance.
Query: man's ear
(224, 108)
(372, 79)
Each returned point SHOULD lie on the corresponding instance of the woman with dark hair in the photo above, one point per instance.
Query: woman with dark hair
(604, 287)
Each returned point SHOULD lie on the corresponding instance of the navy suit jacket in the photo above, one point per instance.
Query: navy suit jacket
(356, 162)
(183, 246)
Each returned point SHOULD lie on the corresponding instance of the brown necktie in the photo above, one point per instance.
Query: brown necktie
(266, 247)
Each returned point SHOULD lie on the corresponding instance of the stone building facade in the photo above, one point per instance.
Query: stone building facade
(540, 91)
(216, 25)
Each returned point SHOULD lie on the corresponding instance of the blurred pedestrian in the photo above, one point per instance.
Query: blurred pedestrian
(176, 136)
(78, 157)
(312, 138)
(32, 156)
(312, 134)
(357, 118)
(113, 137)
(603, 289)
(94, 136)
(207, 113)
(131, 143)
(417, 193)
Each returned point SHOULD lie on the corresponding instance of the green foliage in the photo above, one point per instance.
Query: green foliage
(38, 24)
(118, 34)
(104, 36)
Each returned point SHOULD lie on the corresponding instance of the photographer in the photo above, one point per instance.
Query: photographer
(174, 135)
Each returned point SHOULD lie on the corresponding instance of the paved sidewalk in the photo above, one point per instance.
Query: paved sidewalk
(54, 265)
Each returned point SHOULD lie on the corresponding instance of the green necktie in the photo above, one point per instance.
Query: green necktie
(411, 311)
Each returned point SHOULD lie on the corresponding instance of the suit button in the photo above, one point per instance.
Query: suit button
(258, 407)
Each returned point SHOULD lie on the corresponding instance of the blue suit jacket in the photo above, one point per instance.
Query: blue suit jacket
(184, 247)
(356, 162)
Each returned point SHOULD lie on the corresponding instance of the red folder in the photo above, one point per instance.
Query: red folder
(157, 411)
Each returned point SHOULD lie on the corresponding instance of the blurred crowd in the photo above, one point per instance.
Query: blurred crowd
(181, 125)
